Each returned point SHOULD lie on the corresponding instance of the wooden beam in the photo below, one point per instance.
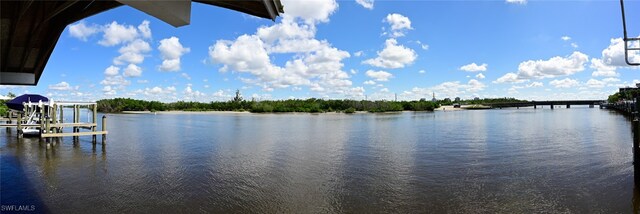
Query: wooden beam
(74, 134)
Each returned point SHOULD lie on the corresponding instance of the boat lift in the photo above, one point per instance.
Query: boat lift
(628, 40)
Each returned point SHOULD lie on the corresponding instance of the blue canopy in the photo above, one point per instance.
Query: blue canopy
(16, 103)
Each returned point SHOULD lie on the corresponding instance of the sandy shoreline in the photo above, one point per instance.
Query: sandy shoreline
(449, 108)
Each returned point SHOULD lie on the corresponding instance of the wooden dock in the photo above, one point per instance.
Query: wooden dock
(47, 119)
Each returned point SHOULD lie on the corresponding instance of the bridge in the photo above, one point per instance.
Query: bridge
(550, 103)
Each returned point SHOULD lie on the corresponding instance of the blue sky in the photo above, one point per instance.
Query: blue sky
(536, 50)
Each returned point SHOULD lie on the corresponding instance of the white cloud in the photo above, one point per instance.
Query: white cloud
(593, 83)
(535, 84)
(185, 75)
(379, 75)
(311, 11)
(81, 31)
(565, 38)
(393, 56)
(611, 79)
(422, 45)
(553, 67)
(62, 86)
(366, 3)
(517, 1)
(171, 51)
(142, 81)
(564, 83)
(614, 54)
(132, 52)
(313, 63)
(108, 90)
(144, 29)
(358, 53)
(111, 71)
(473, 67)
(422, 71)
(384, 90)
(602, 70)
(509, 77)
(115, 34)
(480, 76)
(574, 45)
(369, 82)
(117, 80)
(447, 89)
(399, 24)
(132, 70)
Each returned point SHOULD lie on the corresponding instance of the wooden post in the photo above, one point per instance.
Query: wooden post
(95, 120)
(46, 125)
(104, 128)
(551, 106)
(41, 118)
(568, 106)
(61, 114)
(54, 116)
(19, 125)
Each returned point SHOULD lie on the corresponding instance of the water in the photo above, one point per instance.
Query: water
(507, 161)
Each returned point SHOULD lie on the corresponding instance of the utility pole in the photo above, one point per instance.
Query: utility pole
(396, 96)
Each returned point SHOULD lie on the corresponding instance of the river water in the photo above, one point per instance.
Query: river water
(507, 161)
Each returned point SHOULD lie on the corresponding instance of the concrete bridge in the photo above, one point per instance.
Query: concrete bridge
(550, 103)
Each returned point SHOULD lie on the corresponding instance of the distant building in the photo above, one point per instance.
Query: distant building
(476, 98)
(627, 89)
(457, 99)
(434, 97)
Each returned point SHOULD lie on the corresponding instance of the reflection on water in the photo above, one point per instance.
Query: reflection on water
(526, 160)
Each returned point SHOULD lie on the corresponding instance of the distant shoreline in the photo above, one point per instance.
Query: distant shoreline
(247, 112)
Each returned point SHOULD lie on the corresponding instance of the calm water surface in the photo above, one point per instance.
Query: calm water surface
(509, 161)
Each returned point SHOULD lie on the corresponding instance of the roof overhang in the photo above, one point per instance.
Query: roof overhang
(29, 30)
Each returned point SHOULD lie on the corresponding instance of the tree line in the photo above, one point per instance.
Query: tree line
(624, 95)
(311, 105)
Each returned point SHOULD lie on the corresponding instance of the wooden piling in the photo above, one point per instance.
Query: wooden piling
(19, 125)
(104, 128)
(95, 117)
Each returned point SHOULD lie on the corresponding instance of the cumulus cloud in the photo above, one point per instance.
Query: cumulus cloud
(535, 85)
(132, 70)
(447, 89)
(366, 3)
(314, 63)
(369, 82)
(553, 67)
(171, 51)
(564, 83)
(594, 83)
(132, 52)
(399, 24)
(111, 71)
(62, 86)
(115, 34)
(600, 69)
(473, 67)
(82, 31)
(565, 38)
(509, 78)
(614, 54)
(480, 76)
(144, 29)
(393, 56)
(311, 11)
(422, 71)
(379, 75)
